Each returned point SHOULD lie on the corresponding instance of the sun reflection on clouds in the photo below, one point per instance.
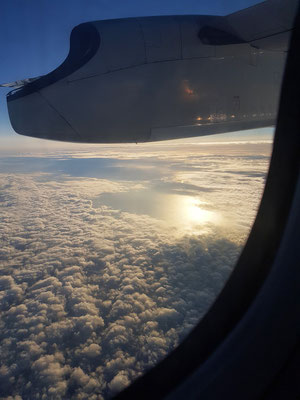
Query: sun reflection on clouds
(196, 214)
(189, 215)
(186, 213)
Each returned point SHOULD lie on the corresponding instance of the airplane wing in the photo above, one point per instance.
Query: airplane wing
(156, 78)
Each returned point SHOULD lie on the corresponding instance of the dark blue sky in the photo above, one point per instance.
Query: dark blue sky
(34, 34)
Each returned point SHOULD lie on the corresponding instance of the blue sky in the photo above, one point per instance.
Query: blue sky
(34, 35)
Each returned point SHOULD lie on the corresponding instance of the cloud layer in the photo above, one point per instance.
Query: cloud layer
(91, 297)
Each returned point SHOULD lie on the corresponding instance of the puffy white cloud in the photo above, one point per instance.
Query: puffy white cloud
(92, 350)
(119, 382)
(91, 297)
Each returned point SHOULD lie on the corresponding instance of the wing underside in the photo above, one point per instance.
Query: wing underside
(156, 78)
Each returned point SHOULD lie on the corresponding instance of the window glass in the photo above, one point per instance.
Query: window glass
(110, 254)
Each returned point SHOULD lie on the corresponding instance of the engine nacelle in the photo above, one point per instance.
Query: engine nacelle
(154, 78)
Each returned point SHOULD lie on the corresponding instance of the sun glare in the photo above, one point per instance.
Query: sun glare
(189, 214)
(195, 214)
